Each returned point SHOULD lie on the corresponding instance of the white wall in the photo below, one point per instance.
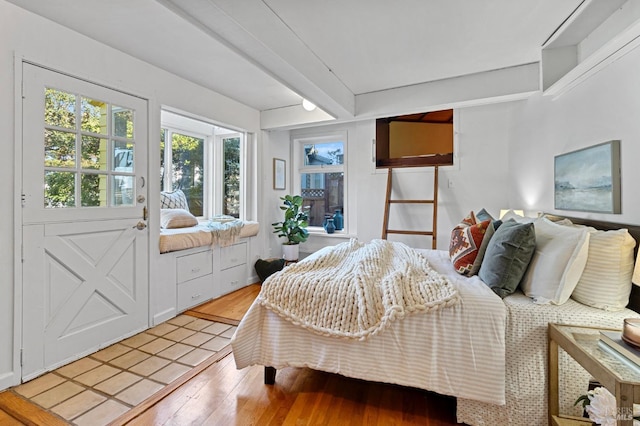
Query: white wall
(604, 107)
(480, 179)
(44, 42)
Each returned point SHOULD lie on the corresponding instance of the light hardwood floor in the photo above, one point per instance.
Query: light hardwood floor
(223, 395)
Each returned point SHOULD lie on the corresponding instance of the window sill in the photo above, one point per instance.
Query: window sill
(337, 234)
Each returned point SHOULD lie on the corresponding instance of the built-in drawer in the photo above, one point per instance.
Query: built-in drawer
(232, 279)
(194, 265)
(233, 255)
(195, 292)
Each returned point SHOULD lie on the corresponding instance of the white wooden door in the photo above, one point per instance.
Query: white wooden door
(85, 242)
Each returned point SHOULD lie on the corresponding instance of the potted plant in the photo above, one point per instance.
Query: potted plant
(293, 227)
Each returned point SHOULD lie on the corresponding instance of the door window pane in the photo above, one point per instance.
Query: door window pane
(60, 109)
(94, 153)
(122, 122)
(123, 192)
(122, 157)
(59, 149)
(326, 153)
(187, 174)
(323, 193)
(93, 116)
(93, 190)
(231, 201)
(59, 189)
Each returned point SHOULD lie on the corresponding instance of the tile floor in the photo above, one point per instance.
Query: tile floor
(100, 387)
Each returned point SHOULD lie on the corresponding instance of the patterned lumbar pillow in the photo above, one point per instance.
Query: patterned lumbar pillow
(173, 200)
(465, 244)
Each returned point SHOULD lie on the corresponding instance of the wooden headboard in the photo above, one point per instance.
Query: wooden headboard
(634, 230)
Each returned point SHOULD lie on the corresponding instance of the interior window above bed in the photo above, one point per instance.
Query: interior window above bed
(202, 160)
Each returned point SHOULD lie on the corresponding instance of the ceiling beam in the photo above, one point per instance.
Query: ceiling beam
(500, 85)
(251, 29)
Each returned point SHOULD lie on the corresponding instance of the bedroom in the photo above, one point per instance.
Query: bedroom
(505, 149)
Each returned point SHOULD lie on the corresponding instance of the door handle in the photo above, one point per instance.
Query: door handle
(140, 226)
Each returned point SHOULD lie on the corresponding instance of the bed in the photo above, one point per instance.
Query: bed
(488, 352)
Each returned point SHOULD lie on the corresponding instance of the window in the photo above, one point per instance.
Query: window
(88, 152)
(204, 161)
(321, 175)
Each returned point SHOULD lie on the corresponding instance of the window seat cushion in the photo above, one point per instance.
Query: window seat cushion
(197, 236)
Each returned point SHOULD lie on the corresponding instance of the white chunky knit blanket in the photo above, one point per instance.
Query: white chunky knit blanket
(355, 290)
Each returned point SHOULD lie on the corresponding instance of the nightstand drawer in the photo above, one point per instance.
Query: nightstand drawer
(232, 279)
(195, 292)
(233, 255)
(194, 265)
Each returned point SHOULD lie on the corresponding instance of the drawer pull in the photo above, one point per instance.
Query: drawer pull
(195, 270)
(196, 296)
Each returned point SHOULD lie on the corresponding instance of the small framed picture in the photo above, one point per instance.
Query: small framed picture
(279, 174)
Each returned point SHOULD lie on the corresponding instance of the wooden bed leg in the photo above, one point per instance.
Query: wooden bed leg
(269, 375)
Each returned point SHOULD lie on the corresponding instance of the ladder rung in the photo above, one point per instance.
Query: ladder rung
(391, 231)
(411, 201)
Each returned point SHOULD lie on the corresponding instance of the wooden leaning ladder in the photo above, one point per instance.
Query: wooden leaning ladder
(389, 201)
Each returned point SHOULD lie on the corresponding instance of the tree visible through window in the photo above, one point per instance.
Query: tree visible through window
(204, 162)
(187, 169)
(231, 199)
(85, 150)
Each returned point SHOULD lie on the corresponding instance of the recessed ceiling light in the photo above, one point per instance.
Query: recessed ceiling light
(308, 105)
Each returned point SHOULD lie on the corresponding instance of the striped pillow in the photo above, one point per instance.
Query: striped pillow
(606, 280)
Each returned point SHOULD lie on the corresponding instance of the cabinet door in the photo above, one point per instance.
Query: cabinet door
(194, 265)
(232, 279)
(233, 256)
(194, 292)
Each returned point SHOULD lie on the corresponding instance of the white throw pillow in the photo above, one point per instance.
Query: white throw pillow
(177, 218)
(557, 264)
(606, 280)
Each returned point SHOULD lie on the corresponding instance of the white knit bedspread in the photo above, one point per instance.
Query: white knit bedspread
(458, 351)
(357, 289)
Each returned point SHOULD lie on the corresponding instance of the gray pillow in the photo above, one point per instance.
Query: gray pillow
(507, 256)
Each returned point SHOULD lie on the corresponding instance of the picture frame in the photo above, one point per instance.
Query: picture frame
(589, 179)
(279, 173)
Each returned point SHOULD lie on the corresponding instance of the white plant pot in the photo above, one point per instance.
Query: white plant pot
(290, 251)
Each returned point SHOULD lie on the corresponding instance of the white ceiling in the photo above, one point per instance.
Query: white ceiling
(270, 53)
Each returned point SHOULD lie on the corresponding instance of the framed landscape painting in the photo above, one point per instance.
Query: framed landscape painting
(588, 179)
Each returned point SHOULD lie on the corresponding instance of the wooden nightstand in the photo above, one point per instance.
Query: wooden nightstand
(620, 378)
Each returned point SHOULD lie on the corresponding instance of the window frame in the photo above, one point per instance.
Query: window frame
(213, 159)
(298, 143)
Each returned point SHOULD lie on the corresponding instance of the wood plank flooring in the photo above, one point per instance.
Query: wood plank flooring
(223, 395)
(232, 307)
